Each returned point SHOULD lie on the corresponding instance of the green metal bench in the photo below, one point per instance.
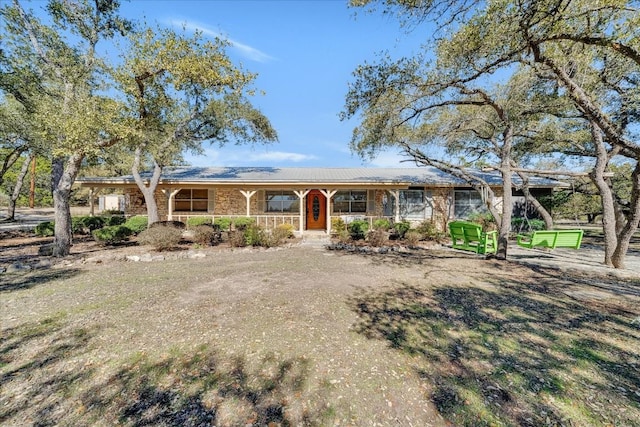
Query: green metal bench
(468, 236)
(551, 239)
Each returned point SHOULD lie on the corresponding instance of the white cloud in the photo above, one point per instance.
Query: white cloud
(234, 157)
(245, 50)
(279, 156)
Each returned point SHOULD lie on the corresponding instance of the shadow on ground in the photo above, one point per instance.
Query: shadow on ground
(205, 388)
(60, 383)
(516, 348)
(27, 279)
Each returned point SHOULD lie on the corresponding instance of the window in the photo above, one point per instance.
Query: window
(414, 204)
(281, 201)
(350, 201)
(467, 203)
(192, 200)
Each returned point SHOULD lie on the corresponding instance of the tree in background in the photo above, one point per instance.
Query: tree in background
(588, 50)
(75, 116)
(181, 92)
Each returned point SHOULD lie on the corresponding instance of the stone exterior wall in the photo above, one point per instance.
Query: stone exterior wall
(135, 204)
(232, 202)
(442, 207)
(229, 201)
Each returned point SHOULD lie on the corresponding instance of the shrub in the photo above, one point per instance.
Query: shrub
(486, 220)
(137, 224)
(195, 221)
(114, 220)
(429, 231)
(87, 224)
(401, 228)
(343, 236)
(285, 230)
(278, 235)
(527, 225)
(381, 224)
(205, 235)
(412, 237)
(160, 237)
(338, 226)
(378, 237)
(175, 224)
(237, 239)
(358, 229)
(255, 235)
(114, 212)
(223, 223)
(45, 229)
(111, 234)
(243, 222)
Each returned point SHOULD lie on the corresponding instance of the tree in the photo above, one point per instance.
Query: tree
(590, 50)
(76, 116)
(182, 92)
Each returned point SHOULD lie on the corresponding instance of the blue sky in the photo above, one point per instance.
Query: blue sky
(304, 53)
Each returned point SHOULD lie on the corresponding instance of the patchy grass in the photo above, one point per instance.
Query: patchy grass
(515, 350)
(302, 336)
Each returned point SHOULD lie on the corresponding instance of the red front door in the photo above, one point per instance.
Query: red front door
(316, 211)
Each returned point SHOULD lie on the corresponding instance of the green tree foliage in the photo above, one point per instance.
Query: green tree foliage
(583, 54)
(181, 92)
(74, 116)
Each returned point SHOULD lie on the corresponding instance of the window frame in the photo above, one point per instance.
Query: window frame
(350, 201)
(293, 201)
(191, 200)
(463, 207)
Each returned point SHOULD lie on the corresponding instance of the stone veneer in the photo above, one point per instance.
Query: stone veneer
(229, 201)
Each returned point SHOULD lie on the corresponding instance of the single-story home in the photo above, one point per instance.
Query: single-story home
(308, 198)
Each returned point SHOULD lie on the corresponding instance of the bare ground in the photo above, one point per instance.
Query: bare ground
(305, 336)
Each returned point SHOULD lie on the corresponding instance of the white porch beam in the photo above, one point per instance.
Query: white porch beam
(328, 194)
(248, 194)
(170, 194)
(301, 195)
(396, 207)
(93, 192)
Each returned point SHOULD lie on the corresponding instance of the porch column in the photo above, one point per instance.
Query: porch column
(248, 195)
(328, 194)
(301, 195)
(396, 207)
(170, 195)
(93, 192)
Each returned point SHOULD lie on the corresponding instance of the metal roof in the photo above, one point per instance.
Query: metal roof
(427, 176)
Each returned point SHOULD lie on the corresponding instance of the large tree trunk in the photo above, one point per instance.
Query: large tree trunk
(632, 222)
(507, 197)
(606, 195)
(148, 191)
(64, 174)
(18, 187)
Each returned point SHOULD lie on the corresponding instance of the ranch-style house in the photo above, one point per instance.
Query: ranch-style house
(308, 198)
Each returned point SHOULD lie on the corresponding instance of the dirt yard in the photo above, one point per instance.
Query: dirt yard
(302, 335)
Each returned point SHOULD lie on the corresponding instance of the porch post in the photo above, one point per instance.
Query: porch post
(248, 195)
(396, 208)
(170, 195)
(328, 194)
(301, 195)
(93, 192)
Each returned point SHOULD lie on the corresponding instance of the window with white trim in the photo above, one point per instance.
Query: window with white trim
(415, 203)
(467, 203)
(191, 200)
(350, 201)
(281, 201)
